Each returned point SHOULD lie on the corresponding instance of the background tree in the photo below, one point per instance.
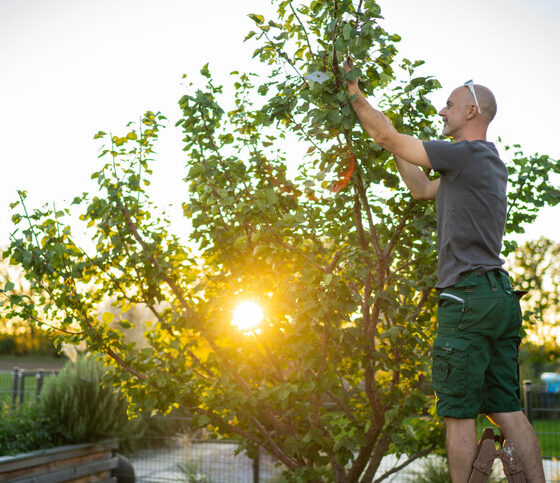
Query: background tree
(17, 337)
(339, 256)
(535, 266)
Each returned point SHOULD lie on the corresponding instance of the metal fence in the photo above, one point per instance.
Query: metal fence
(21, 386)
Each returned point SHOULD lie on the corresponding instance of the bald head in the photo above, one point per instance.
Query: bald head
(486, 101)
(461, 119)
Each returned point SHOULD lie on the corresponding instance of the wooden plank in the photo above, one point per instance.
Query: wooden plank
(72, 473)
(45, 456)
(54, 466)
(92, 478)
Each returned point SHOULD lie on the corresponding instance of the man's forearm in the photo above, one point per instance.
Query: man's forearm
(420, 186)
(373, 121)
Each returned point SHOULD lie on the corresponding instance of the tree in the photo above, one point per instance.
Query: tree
(17, 337)
(340, 257)
(536, 270)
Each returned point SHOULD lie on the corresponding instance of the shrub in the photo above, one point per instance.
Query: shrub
(7, 344)
(25, 429)
(36, 343)
(82, 408)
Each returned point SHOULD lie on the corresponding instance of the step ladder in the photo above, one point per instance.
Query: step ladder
(487, 453)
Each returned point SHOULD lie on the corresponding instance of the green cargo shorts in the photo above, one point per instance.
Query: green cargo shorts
(475, 366)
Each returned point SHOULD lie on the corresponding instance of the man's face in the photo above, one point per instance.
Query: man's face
(454, 112)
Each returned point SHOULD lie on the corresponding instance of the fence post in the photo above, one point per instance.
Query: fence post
(15, 375)
(528, 400)
(256, 464)
(39, 376)
(21, 386)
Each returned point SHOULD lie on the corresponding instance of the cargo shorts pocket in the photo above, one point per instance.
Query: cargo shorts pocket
(484, 314)
(449, 365)
(449, 312)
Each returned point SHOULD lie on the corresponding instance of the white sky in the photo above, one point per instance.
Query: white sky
(69, 68)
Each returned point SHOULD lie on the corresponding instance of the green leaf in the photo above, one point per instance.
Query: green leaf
(205, 71)
(347, 31)
(108, 317)
(258, 19)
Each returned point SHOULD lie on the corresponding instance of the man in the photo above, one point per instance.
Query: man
(475, 356)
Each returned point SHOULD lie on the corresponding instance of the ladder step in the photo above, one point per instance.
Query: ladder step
(482, 466)
(511, 463)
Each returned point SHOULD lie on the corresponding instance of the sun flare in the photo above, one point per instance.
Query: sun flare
(247, 316)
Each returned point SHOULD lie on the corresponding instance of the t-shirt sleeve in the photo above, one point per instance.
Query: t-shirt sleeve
(447, 158)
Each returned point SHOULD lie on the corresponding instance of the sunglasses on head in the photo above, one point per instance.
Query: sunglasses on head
(470, 85)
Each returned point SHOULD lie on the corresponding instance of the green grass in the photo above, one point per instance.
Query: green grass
(548, 432)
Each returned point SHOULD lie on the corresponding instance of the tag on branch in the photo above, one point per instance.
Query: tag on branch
(317, 76)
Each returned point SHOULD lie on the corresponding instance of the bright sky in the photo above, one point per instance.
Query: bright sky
(69, 68)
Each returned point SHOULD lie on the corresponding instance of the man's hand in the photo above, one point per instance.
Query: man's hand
(352, 86)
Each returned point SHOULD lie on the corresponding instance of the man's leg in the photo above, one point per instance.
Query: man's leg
(515, 426)
(462, 447)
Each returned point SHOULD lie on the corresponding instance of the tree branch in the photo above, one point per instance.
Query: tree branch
(375, 459)
(111, 353)
(302, 27)
(358, 184)
(398, 231)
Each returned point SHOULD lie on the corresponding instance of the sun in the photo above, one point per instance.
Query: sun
(247, 316)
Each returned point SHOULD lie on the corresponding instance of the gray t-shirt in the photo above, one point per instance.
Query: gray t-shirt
(471, 207)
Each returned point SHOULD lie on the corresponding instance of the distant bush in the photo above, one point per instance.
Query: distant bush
(534, 359)
(8, 344)
(82, 408)
(29, 343)
(24, 430)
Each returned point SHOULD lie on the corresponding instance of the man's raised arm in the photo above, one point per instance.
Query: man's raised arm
(420, 186)
(381, 129)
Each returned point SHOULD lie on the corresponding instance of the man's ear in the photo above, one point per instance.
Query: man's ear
(471, 112)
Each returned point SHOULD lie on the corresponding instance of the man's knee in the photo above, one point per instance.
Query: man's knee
(511, 423)
(508, 418)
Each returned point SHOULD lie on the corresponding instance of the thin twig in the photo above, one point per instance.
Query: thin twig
(284, 56)
(302, 27)
(394, 470)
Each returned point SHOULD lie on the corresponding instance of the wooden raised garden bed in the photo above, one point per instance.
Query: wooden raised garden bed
(82, 463)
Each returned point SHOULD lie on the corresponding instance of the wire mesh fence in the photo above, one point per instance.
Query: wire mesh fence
(542, 406)
(202, 461)
(177, 457)
(19, 386)
(218, 461)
